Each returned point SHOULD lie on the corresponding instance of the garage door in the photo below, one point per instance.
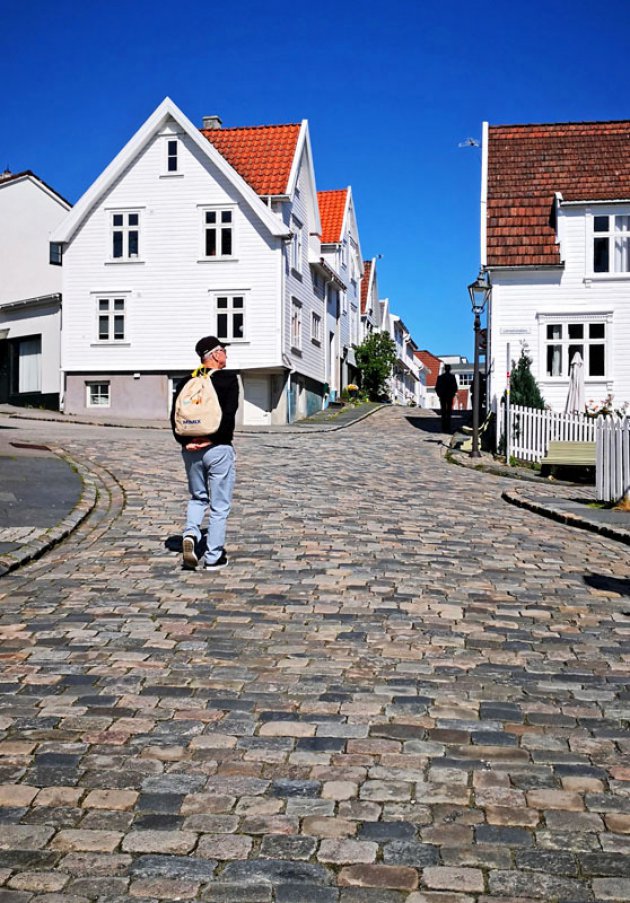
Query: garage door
(257, 402)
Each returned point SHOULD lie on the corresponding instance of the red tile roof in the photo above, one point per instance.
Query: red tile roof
(332, 206)
(262, 155)
(365, 284)
(527, 164)
(432, 366)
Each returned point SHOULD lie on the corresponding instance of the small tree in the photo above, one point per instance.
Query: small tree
(375, 356)
(524, 389)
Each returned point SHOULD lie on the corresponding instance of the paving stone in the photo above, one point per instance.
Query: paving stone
(612, 889)
(408, 852)
(277, 872)
(345, 850)
(538, 886)
(279, 846)
(219, 892)
(466, 880)
(381, 876)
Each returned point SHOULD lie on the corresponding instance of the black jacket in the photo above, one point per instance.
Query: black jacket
(225, 383)
(446, 386)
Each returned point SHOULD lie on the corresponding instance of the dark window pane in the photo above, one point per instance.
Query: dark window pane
(237, 320)
(133, 219)
(222, 302)
(576, 330)
(119, 327)
(172, 156)
(554, 331)
(222, 321)
(119, 304)
(172, 164)
(211, 216)
(118, 244)
(133, 244)
(211, 242)
(118, 219)
(573, 349)
(226, 216)
(237, 302)
(226, 242)
(597, 359)
(103, 304)
(103, 327)
(600, 255)
(597, 331)
(600, 224)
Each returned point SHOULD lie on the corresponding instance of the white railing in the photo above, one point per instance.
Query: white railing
(529, 431)
(613, 458)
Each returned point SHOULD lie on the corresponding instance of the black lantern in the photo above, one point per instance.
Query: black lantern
(479, 292)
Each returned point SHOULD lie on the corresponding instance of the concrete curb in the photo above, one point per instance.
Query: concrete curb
(569, 518)
(30, 551)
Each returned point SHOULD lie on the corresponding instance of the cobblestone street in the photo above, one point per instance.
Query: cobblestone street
(402, 690)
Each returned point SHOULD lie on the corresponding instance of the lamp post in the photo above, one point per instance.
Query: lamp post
(479, 292)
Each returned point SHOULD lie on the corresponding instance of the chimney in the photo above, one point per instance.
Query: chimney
(210, 123)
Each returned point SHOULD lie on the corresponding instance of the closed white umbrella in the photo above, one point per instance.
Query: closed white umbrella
(575, 398)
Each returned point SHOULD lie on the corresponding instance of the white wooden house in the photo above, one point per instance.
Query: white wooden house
(191, 232)
(30, 291)
(371, 313)
(407, 379)
(341, 250)
(555, 241)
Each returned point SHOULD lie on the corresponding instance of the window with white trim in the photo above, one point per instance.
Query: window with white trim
(218, 232)
(316, 327)
(611, 244)
(172, 153)
(296, 324)
(230, 311)
(111, 319)
(97, 395)
(125, 235)
(564, 339)
(296, 245)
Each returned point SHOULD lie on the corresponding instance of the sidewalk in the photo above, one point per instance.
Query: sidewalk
(573, 504)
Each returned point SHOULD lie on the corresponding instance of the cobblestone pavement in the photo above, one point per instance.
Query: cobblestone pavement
(402, 688)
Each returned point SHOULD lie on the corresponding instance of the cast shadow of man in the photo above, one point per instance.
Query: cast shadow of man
(602, 582)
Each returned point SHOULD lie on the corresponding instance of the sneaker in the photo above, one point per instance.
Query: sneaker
(189, 553)
(217, 565)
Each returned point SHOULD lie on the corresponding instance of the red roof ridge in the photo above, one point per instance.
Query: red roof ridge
(242, 128)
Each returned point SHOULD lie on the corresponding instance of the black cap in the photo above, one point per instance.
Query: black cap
(207, 344)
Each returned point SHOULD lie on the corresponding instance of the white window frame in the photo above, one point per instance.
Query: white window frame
(585, 321)
(127, 229)
(231, 311)
(316, 328)
(296, 248)
(90, 396)
(172, 145)
(220, 211)
(113, 300)
(611, 235)
(296, 324)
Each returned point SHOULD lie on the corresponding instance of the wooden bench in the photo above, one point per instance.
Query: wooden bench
(569, 454)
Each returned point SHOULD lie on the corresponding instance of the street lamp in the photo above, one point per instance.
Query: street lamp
(479, 292)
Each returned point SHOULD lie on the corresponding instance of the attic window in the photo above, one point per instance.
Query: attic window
(171, 155)
(55, 253)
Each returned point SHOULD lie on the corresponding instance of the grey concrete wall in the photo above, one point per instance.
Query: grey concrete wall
(145, 397)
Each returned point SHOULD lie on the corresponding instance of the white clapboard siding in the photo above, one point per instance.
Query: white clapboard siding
(613, 459)
(523, 300)
(530, 431)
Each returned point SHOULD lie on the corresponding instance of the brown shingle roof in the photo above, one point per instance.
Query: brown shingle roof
(365, 284)
(528, 164)
(262, 155)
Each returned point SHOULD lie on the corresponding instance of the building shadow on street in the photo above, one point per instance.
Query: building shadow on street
(430, 422)
(603, 582)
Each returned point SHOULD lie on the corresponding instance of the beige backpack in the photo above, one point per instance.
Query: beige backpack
(197, 408)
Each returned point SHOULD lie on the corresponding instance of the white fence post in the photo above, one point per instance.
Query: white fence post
(613, 459)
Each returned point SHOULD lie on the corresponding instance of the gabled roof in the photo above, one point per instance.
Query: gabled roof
(166, 111)
(332, 210)
(263, 155)
(528, 164)
(7, 177)
(366, 283)
(431, 364)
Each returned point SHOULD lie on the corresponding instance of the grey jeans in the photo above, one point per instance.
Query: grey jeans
(210, 472)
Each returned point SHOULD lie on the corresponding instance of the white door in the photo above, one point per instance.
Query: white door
(257, 406)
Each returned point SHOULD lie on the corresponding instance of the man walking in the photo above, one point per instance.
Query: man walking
(209, 462)
(446, 390)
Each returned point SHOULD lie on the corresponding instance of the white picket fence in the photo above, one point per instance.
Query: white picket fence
(530, 431)
(613, 458)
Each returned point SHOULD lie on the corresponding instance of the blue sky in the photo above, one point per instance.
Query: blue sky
(389, 89)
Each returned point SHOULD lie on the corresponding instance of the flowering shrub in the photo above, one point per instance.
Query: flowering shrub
(606, 407)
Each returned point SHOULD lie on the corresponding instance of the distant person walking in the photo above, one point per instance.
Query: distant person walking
(209, 461)
(446, 390)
